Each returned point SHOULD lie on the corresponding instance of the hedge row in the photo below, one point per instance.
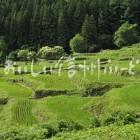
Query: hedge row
(41, 93)
(98, 89)
(40, 131)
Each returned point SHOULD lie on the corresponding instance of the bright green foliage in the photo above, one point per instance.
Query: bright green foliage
(130, 132)
(44, 131)
(31, 55)
(126, 35)
(64, 125)
(77, 43)
(23, 55)
(51, 53)
(121, 118)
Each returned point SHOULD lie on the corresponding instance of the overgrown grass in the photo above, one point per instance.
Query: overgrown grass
(125, 99)
(64, 108)
(15, 90)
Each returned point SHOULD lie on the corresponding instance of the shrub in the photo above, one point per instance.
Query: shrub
(38, 132)
(95, 89)
(126, 35)
(130, 118)
(98, 89)
(59, 51)
(31, 55)
(35, 132)
(95, 122)
(23, 55)
(3, 100)
(129, 132)
(64, 125)
(77, 44)
(51, 53)
(51, 130)
(121, 118)
(40, 93)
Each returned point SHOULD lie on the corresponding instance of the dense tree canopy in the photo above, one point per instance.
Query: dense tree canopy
(126, 35)
(3, 49)
(89, 30)
(54, 22)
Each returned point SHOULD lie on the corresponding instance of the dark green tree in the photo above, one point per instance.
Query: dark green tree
(79, 15)
(62, 31)
(48, 27)
(126, 35)
(35, 27)
(89, 31)
(77, 44)
(3, 50)
(132, 13)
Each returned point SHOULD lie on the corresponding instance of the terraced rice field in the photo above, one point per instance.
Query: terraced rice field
(26, 110)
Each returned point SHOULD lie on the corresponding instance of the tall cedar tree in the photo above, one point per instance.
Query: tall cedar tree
(62, 31)
(89, 30)
(79, 15)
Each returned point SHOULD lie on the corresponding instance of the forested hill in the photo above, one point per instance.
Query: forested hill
(35, 23)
